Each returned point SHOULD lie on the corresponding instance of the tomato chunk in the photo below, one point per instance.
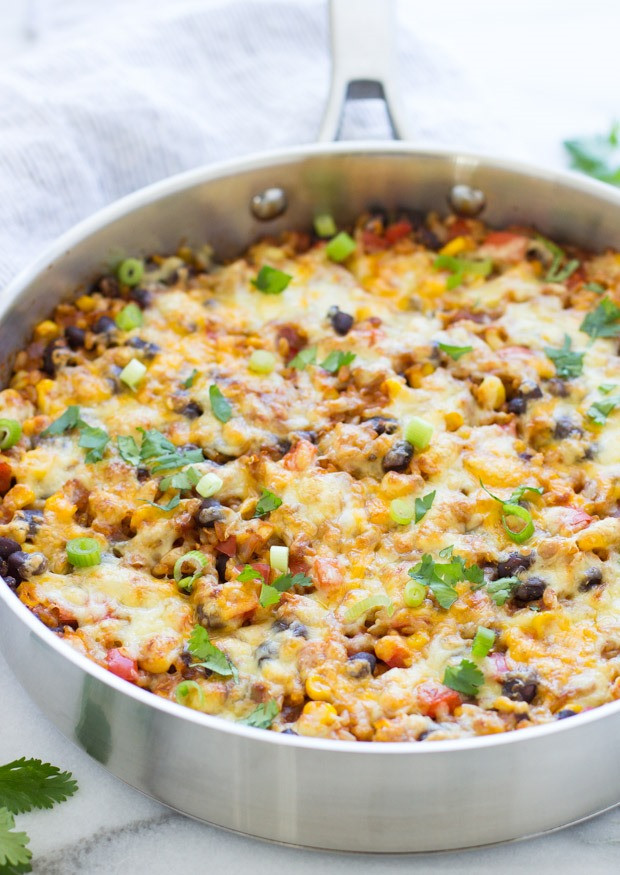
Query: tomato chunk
(6, 474)
(398, 230)
(122, 666)
(433, 698)
(229, 546)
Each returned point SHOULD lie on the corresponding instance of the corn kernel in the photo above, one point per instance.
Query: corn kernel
(61, 507)
(17, 497)
(363, 313)
(419, 640)
(323, 711)
(318, 689)
(454, 420)
(44, 387)
(46, 330)
(491, 393)
(154, 663)
(85, 303)
(458, 244)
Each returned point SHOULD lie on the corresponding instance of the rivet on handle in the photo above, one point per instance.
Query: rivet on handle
(466, 201)
(268, 204)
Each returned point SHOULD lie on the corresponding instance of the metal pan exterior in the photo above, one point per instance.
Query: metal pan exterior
(325, 794)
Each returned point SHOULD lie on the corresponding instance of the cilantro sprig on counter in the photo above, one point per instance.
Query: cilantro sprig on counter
(597, 156)
(26, 784)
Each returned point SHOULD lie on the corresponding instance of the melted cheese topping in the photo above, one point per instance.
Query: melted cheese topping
(331, 447)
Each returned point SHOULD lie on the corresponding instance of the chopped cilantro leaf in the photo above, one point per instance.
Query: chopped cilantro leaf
(182, 480)
(567, 363)
(160, 454)
(606, 388)
(459, 268)
(219, 405)
(521, 491)
(597, 288)
(465, 678)
(266, 503)
(423, 505)
(336, 360)
(501, 590)
(27, 784)
(68, 420)
(303, 358)
(604, 321)
(250, 573)
(271, 281)
(128, 449)
(441, 578)
(174, 502)
(190, 380)
(455, 352)
(268, 596)
(600, 410)
(93, 439)
(208, 655)
(263, 716)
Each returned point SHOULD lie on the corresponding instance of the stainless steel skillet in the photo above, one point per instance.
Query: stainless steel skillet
(327, 794)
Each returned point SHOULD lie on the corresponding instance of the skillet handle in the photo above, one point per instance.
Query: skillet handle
(363, 53)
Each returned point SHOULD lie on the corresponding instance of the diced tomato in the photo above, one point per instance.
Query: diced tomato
(300, 457)
(500, 238)
(576, 278)
(298, 566)
(397, 231)
(501, 666)
(6, 474)
(459, 228)
(328, 574)
(573, 519)
(229, 546)
(393, 651)
(508, 246)
(122, 666)
(433, 698)
(373, 242)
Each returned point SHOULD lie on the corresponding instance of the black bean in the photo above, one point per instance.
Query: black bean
(281, 447)
(142, 474)
(149, 350)
(221, 559)
(592, 577)
(267, 650)
(407, 214)
(55, 355)
(11, 582)
(289, 732)
(398, 457)
(519, 689)
(362, 664)
(107, 285)
(33, 518)
(75, 336)
(342, 323)
(209, 512)
(382, 424)
(566, 712)
(428, 239)
(565, 427)
(142, 297)
(514, 564)
(311, 436)
(26, 565)
(7, 547)
(557, 387)
(529, 390)
(517, 406)
(192, 410)
(104, 325)
(530, 591)
(298, 629)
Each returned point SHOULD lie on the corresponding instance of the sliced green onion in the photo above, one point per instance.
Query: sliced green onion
(262, 362)
(402, 510)
(132, 374)
(340, 247)
(521, 535)
(483, 642)
(415, 593)
(83, 552)
(130, 271)
(357, 610)
(271, 281)
(418, 432)
(278, 559)
(129, 317)
(196, 560)
(209, 485)
(10, 433)
(324, 225)
(185, 692)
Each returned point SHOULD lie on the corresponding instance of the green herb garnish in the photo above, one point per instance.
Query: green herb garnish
(68, 420)
(303, 358)
(266, 503)
(174, 502)
(187, 384)
(263, 716)
(336, 360)
(441, 578)
(483, 642)
(208, 655)
(567, 363)
(423, 505)
(93, 439)
(597, 288)
(597, 156)
(460, 268)
(219, 405)
(501, 590)
(600, 410)
(465, 678)
(455, 352)
(604, 321)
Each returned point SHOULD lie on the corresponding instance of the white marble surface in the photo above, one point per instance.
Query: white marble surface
(535, 72)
